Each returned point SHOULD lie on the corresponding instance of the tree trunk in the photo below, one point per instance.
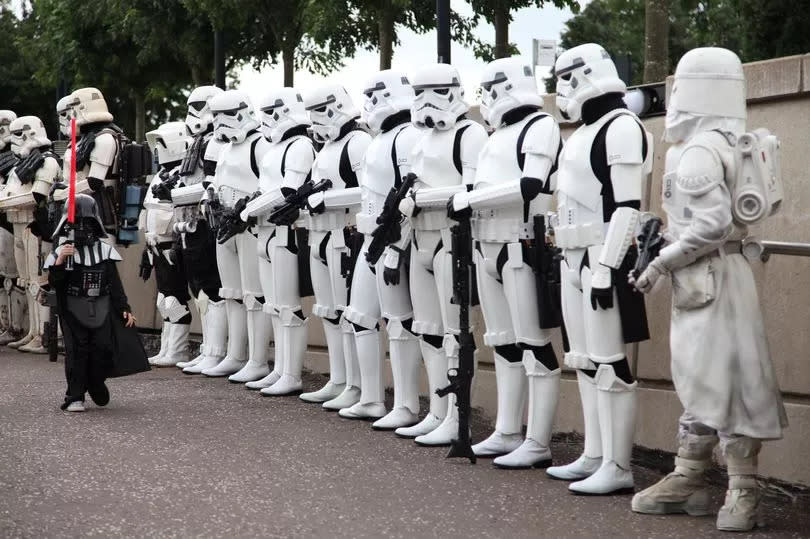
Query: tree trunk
(140, 117)
(656, 40)
(288, 58)
(501, 32)
(196, 77)
(385, 28)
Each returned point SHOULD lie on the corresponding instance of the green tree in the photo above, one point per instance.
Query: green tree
(499, 14)
(656, 40)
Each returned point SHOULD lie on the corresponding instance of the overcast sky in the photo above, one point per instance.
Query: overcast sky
(415, 50)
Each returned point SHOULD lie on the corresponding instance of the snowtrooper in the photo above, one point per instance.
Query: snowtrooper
(444, 162)
(12, 297)
(602, 170)
(284, 169)
(235, 180)
(514, 182)
(382, 291)
(169, 144)
(196, 241)
(331, 224)
(714, 187)
(23, 197)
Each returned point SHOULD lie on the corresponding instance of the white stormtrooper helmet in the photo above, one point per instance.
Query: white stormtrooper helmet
(199, 117)
(90, 107)
(439, 97)
(170, 142)
(330, 108)
(27, 133)
(282, 109)
(584, 72)
(506, 84)
(708, 92)
(64, 112)
(6, 117)
(387, 93)
(234, 116)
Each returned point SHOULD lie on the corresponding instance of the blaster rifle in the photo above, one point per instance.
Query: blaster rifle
(546, 266)
(650, 240)
(287, 212)
(461, 377)
(163, 190)
(213, 210)
(388, 229)
(231, 224)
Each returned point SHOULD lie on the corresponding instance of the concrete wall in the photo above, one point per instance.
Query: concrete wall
(779, 99)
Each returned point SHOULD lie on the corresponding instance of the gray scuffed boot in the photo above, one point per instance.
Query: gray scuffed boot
(685, 489)
(741, 512)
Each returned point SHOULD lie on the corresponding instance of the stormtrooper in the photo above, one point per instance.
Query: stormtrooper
(601, 174)
(384, 286)
(97, 154)
(23, 198)
(513, 186)
(235, 180)
(444, 162)
(196, 242)
(718, 181)
(331, 224)
(169, 143)
(284, 169)
(12, 297)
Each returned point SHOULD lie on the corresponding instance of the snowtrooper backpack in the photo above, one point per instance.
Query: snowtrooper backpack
(757, 191)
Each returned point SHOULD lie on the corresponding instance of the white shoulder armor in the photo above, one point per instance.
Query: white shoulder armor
(358, 144)
(472, 143)
(213, 149)
(543, 138)
(104, 149)
(299, 158)
(700, 169)
(47, 174)
(624, 141)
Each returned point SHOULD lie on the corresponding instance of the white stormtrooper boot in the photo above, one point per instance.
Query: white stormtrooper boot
(372, 395)
(685, 489)
(164, 339)
(216, 322)
(17, 315)
(278, 355)
(544, 390)
(202, 306)
(351, 393)
(337, 366)
(36, 345)
(235, 358)
(32, 323)
(176, 345)
(405, 360)
(510, 380)
(259, 328)
(436, 368)
(741, 509)
(294, 335)
(591, 457)
(616, 401)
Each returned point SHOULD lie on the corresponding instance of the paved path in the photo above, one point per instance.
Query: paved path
(182, 456)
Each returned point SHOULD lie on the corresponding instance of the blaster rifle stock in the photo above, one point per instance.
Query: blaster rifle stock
(287, 213)
(461, 377)
(388, 229)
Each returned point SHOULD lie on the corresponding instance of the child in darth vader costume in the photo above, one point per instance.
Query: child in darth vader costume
(97, 322)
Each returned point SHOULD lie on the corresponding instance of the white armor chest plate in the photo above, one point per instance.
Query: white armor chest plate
(327, 166)
(433, 165)
(498, 163)
(378, 178)
(235, 178)
(271, 176)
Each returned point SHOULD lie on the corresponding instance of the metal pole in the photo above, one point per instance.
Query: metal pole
(219, 59)
(443, 31)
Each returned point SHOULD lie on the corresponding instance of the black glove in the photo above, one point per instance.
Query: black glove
(603, 297)
(145, 269)
(162, 191)
(391, 275)
(95, 184)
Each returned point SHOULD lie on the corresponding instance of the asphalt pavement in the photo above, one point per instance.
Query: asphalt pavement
(188, 456)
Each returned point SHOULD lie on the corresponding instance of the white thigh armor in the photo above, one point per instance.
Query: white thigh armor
(364, 307)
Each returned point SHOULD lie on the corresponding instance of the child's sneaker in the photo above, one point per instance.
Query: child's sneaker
(75, 406)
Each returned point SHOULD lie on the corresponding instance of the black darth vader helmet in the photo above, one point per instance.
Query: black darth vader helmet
(87, 219)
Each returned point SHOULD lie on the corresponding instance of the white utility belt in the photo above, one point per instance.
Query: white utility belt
(329, 220)
(579, 236)
(501, 225)
(228, 196)
(19, 217)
